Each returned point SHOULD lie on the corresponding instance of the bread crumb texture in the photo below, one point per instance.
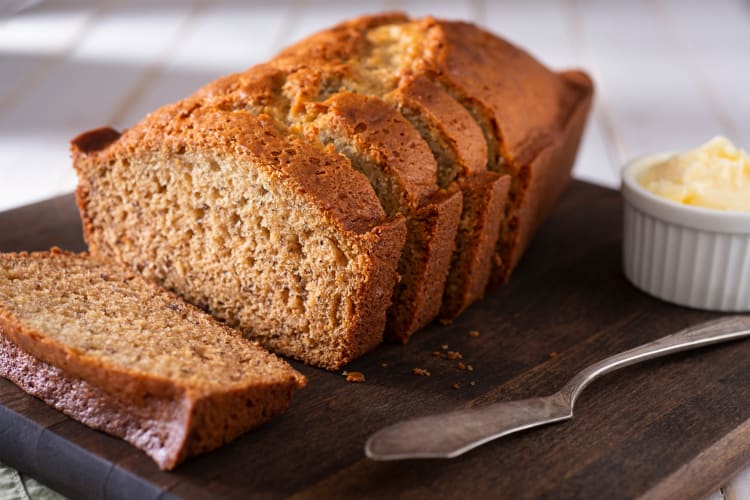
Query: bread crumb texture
(272, 235)
(147, 366)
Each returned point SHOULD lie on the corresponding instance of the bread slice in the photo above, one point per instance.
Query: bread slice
(124, 356)
(356, 57)
(532, 117)
(384, 146)
(273, 235)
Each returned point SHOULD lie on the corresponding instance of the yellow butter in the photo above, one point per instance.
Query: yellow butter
(715, 175)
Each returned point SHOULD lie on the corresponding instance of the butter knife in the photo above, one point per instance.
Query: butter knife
(449, 435)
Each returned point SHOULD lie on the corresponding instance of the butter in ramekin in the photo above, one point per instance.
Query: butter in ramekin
(715, 175)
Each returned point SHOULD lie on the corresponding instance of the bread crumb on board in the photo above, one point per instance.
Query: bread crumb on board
(444, 347)
(552, 355)
(420, 371)
(473, 333)
(384, 365)
(456, 386)
(355, 377)
(453, 355)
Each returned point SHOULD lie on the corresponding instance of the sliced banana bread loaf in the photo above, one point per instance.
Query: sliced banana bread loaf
(269, 233)
(357, 58)
(124, 356)
(418, 107)
(384, 146)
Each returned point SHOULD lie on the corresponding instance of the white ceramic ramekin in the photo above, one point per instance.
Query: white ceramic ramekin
(692, 256)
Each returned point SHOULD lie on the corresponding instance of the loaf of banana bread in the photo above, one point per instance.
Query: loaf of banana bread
(369, 178)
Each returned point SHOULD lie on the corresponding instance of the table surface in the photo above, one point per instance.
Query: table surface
(676, 427)
(670, 73)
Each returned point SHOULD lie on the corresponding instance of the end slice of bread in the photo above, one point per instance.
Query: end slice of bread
(124, 356)
(273, 235)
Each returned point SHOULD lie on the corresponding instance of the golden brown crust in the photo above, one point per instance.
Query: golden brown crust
(169, 430)
(430, 242)
(339, 42)
(167, 417)
(485, 196)
(528, 101)
(448, 119)
(526, 111)
(95, 140)
(325, 180)
(387, 139)
(346, 56)
(380, 142)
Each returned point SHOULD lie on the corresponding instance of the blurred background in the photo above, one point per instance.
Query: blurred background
(670, 74)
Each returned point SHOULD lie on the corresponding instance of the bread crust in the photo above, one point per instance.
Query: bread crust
(169, 430)
(324, 180)
(168, 419)
(480, 100)
(387, 138)
(321, 178)
(526, 111)
(399, 161)
(448, 119)
(335, 57)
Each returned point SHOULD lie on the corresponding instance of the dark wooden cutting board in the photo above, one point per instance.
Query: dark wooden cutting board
(675, 427)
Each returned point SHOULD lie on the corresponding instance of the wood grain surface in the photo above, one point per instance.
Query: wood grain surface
(677, 427)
